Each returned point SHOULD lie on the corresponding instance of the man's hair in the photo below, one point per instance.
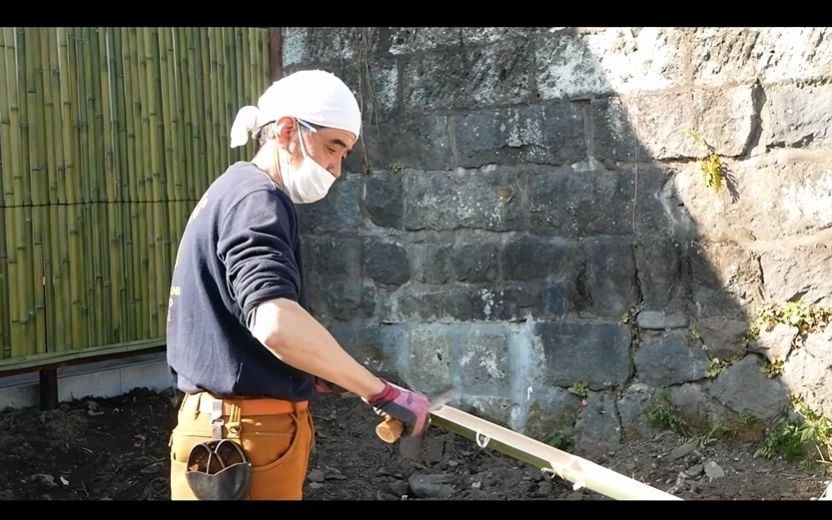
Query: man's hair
(265, 133)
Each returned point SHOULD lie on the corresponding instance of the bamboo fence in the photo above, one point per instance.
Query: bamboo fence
(108, 136)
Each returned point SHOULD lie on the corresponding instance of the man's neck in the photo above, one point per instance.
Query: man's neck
(264, 160)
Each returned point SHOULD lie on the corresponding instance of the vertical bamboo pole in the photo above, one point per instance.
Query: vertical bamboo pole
(147, 196)
(5, 201)
(34, 120)
(5, 322)
(51, 122)
(54, 285)
(39, 186)
(207, 111)
(38, 282)
(104, 230)
(196, 112)
(23, 227)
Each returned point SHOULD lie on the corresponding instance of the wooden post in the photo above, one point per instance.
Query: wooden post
(276, 52)
(48, 388)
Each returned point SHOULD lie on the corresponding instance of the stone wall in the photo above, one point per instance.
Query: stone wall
(526, 217)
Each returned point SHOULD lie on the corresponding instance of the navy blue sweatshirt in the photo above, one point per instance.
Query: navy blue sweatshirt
(239, 248)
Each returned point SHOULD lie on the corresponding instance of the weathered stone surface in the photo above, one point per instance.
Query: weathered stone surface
(482, 360)
(594, 354)
(670, 361)
(608, 286)
(485, 199)
(643, 128)
(690, 401)
(470, 77)
(564, 133)
(430, 356)
(802, 271)
(633, 408)
(659, 126)
(431, 262)
(383, 200)
(726, 119)
(405, 40)
(777, 195)
(486, 35)
(659, 271)
(450, 303)
(616, 60)
(723, 337)
(333, 256)
(506, 302)
(530, 258)
(727, 55)
(498, 410)
(598, 430)
(349, 299)
(338, 211)
(657, 320)
(744, 388)
(306, 44)
(553, 134)
(426, 146)
(573, 203)
(375, 82)
(382, 348)
(552, 411)
(724, 278)
(386, 262)
(774, 344)
(799, 115)
(475, 262)
(807, 372)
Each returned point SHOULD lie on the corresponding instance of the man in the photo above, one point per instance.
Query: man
(241, 344)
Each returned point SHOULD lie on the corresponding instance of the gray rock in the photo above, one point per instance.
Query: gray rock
(595, 354)
(658, 320)
(713, 470)
(431, 485)
(598, 429)
(670, 361)
(723, 337)
(316, 475)
(386, 262)
(744, 387)
(776, 343)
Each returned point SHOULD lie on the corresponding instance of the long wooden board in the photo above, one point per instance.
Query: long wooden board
(579, 471)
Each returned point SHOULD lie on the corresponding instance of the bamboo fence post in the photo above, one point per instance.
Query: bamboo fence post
(6, 173)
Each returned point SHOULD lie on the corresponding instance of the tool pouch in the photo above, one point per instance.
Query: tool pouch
(219, 470)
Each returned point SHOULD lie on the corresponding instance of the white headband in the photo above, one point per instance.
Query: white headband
(315, 96)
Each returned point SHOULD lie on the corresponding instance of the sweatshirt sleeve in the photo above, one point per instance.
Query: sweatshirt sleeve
(255, 244)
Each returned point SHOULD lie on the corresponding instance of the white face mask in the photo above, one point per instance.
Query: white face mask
(309, 182)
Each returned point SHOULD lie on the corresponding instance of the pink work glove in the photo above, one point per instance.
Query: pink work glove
(408, 407)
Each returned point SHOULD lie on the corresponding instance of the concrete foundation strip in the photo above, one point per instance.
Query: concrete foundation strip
(579, 471)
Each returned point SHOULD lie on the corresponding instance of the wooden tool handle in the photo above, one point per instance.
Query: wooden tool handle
(390, 430)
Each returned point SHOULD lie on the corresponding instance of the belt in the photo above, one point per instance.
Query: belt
(206, 403)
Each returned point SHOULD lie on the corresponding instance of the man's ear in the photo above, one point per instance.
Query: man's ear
(285, 129)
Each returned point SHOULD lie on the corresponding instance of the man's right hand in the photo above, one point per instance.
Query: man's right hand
(408, 407)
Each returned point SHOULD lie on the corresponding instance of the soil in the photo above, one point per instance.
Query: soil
(117, 449)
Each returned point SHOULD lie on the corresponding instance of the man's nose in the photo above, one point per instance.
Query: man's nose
(335, 169)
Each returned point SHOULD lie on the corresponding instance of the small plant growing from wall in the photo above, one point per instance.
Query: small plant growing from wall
(792, 439)
(712, 168)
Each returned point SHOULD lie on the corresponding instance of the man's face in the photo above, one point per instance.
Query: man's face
(328, 147)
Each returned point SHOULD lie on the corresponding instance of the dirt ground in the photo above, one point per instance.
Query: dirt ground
(116, 449)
